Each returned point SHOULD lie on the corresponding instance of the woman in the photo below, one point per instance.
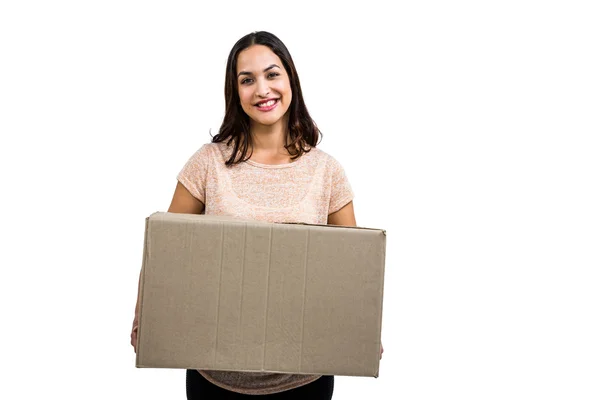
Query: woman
(263, 165)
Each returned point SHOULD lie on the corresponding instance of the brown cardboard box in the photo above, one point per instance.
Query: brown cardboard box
(224, 294)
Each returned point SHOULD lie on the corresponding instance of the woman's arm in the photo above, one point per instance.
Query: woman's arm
(182, 202)
(344, 216)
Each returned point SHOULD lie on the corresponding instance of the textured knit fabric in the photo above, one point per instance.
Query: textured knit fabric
(306, 190)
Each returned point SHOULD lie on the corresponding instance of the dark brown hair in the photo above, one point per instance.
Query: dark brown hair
(302, 130)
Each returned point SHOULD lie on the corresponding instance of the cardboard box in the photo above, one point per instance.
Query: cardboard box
(223, 294)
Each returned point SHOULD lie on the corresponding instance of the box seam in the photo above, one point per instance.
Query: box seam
(304, 300)
(219, 293)
(240, 330)
(267, 300)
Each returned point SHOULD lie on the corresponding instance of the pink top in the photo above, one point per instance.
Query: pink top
(306, 190)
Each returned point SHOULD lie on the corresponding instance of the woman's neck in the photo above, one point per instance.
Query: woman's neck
(268, 143)
(269, 138)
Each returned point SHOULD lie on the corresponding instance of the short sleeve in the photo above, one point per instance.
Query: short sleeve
(194, 173)
(341, 192)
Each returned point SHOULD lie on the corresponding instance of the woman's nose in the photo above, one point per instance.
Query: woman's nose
(262, 88)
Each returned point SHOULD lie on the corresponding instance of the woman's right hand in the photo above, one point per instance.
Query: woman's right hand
(134, 330)
(134, 335)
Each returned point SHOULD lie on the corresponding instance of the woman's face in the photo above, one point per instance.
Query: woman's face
(263, 85)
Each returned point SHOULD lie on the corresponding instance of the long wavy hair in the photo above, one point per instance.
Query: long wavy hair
(303, 132)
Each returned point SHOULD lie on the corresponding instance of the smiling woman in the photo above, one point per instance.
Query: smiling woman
(263, 165)
(272, 86)
(264, 103)
(265, 94)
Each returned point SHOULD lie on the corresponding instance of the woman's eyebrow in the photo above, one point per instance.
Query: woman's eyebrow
(265, 70)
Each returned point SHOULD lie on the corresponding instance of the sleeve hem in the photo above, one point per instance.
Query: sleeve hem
(190, 187)
(340, 204)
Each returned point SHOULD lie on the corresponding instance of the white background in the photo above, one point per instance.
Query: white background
(469, 131)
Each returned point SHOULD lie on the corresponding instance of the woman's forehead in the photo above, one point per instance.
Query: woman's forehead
(256, 58)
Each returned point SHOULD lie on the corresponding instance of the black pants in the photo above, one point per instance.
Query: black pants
(198, 388)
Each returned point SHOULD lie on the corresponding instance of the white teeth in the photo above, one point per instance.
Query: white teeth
(267, 104)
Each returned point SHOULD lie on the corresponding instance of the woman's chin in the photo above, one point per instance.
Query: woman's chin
(266, 121)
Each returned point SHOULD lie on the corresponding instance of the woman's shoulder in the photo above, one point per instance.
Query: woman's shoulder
(214, 151)
(328, 160)
(212, 147)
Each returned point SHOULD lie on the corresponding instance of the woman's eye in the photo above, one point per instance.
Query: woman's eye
(273, 75)
(245, 81)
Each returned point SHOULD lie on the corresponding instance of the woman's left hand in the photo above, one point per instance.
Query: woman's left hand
(381, 354)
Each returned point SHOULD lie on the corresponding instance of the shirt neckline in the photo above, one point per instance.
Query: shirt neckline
(227, 150)
(274, 166)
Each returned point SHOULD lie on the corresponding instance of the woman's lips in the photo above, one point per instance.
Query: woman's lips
(267, 105)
